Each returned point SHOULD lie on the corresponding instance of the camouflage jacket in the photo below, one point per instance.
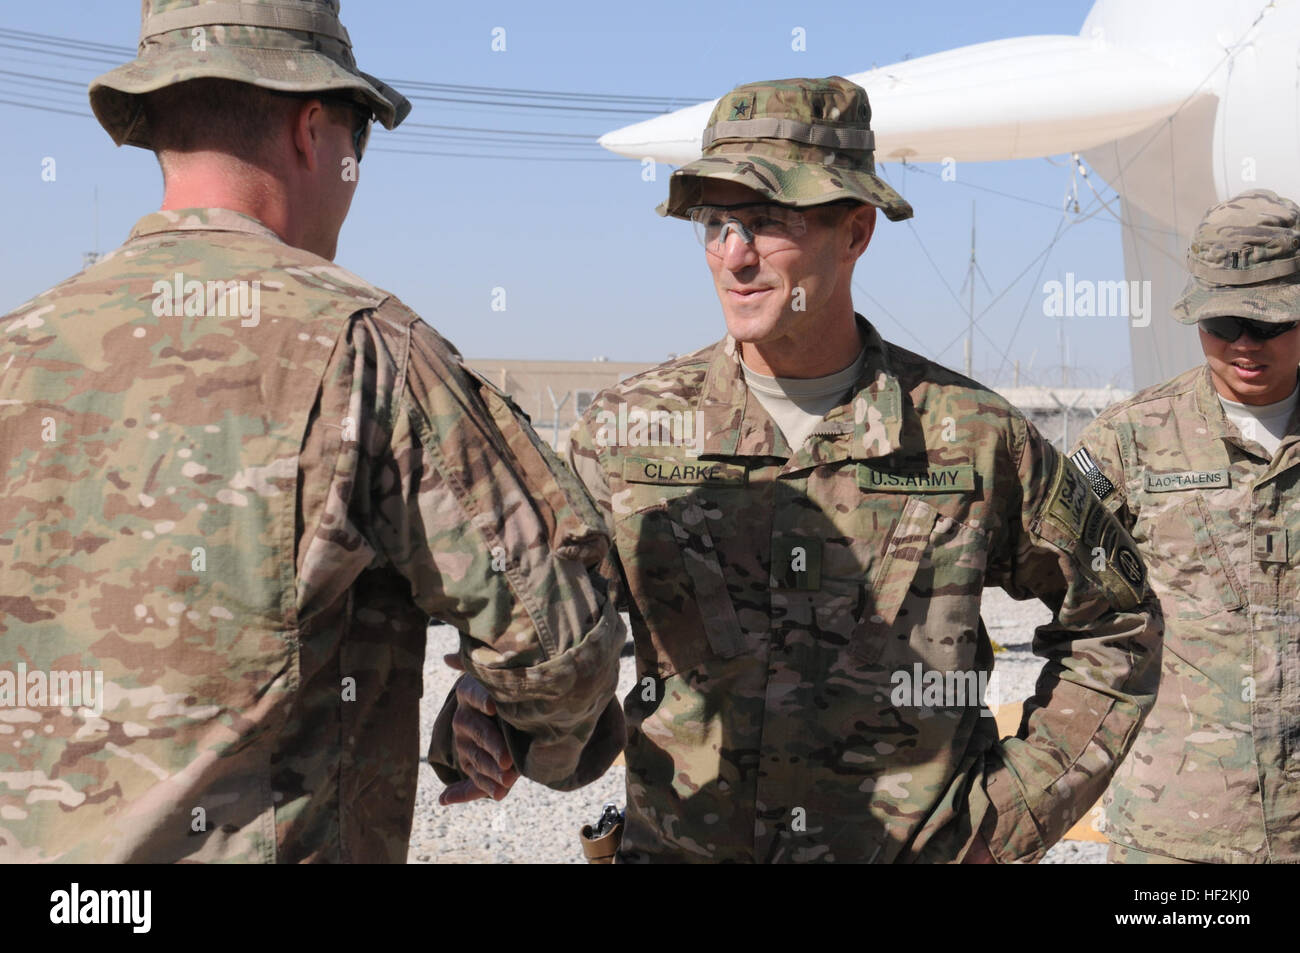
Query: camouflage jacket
(1215, 773)
(236, 508)
(788, 608)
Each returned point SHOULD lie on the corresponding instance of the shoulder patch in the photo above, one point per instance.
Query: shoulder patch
(1096, 479)
(1099, 542)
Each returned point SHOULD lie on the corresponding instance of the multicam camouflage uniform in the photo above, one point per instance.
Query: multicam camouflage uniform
(242, 519)
(776, 591)
(762, 726)
(1215, 773)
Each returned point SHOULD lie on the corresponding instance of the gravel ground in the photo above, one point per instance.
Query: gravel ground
(537, 825)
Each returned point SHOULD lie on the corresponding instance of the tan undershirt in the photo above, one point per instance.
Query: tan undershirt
(800, 404)
(1265, 423)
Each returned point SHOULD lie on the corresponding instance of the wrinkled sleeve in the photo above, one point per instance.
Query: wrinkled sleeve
(498, 539)
(1102, 652)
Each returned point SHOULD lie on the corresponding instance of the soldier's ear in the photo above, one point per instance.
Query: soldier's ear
(308, 126)
(861, 226)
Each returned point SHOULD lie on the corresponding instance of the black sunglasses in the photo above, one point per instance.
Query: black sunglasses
(1230, 328)
(361, 134)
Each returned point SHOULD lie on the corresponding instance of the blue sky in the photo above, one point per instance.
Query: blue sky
(588, 268)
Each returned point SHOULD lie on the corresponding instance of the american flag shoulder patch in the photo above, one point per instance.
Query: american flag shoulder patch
(1100, 485)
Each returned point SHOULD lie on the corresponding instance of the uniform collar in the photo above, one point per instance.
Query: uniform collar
(735, 423)
(1219, 427)
(200, 220)
(1217, 424)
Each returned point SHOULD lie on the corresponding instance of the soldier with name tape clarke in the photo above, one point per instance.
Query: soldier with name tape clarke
(858, 499)
(245, 525)
(1203, 469)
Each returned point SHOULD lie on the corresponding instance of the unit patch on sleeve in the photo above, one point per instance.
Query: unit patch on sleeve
(1096, 479)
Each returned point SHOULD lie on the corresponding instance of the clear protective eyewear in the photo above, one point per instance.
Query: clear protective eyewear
(765, 225)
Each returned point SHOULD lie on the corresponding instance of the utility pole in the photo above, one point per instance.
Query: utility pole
(972, 269)
(970, 279)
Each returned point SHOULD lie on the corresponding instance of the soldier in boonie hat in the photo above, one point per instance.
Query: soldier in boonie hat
(292, 46)
(799, 142)
(288, 408)
(821, 495)
(1202, 470)
(1245, 261)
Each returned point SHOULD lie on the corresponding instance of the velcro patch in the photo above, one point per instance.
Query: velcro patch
(1070, 500)
(1072, 507)
(681, 472)
(959, 478)
(1187, 480)
(1271, 544)
(1092, 473)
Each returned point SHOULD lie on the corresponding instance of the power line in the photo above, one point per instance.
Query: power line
(72, 56)
(911, 166)
(667, 102)
(880, 307)
(517, 105)
(375, 148)
(26, 36)
(29, 96)
(47, 79)
(87, 51)
(47, 109)
(47, 65)
(526, 132)
(471, 155)
(425, 137)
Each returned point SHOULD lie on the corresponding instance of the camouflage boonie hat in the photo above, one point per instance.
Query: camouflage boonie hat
(799, 142)
(295, 46)
(1245, 261)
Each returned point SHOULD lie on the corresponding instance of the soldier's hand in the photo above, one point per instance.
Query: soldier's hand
(480, 746)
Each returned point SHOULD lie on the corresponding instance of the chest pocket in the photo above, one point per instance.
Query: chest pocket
(675, 575)
(1198, 581)
(924, 593)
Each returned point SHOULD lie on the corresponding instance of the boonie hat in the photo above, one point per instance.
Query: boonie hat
(799, 142)
(1245, 261)
(296, 46)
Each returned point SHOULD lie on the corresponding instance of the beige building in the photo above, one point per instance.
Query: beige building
(556, 393)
